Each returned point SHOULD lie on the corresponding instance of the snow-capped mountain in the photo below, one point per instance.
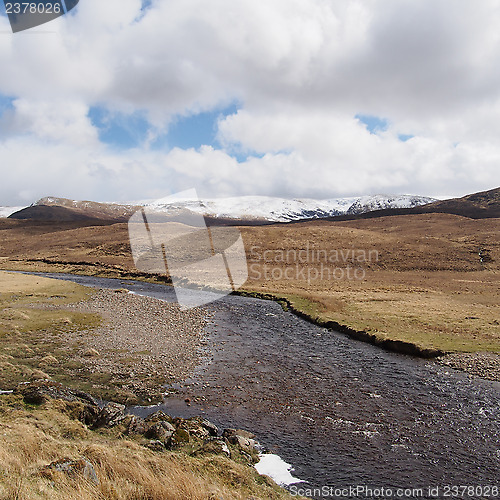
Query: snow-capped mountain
(245, 208)
(381, 202)
(284, 210)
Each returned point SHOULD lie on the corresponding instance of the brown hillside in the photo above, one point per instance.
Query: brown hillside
(475, 206)
(64, 210)
(52, 214)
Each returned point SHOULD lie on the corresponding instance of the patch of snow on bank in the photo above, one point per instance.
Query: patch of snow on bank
(277, 469)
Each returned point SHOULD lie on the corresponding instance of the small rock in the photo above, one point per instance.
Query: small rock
(91, 353)
(159, 416)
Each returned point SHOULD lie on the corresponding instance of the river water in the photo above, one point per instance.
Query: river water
(344, 413)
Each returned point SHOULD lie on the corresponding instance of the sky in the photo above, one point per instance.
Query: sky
(124, 100)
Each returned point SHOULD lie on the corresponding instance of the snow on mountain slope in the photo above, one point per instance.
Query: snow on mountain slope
(284, 210)
(250, 208)
(6, 211)
(380, 202)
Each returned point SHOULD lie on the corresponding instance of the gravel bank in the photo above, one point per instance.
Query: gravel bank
(142, 344)
(481, 364)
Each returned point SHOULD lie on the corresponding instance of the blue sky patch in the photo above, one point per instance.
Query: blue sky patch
(405, 137)
(373, 124)
(119, 130)
(191, 131)
(194, 131)
(5, 103)
(129, 131)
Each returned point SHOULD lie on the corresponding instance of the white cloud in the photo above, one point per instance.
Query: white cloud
(52, 121)
(301, 71)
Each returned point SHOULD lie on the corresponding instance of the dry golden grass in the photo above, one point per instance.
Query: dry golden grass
(32, 438)
(31, 338)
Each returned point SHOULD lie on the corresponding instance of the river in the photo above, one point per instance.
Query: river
(344, 413)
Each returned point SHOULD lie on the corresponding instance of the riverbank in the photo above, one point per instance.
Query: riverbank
(58, 443)
(480, 364)
(141, 345)
(116, 345)
(433, 339)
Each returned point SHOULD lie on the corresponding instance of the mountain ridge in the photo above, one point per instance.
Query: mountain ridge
(261, 209)
(267, 210)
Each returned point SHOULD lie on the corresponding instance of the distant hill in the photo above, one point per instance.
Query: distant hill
(6, 211)
(51, 214)
(483, 205)
(270, 209)
(64, 210)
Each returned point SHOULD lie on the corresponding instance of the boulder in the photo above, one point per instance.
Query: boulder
(135, 425)
(210, 427)
(213, 447)
(161, 431)
(179, 437)
(72, 468)
(194, 426)
(41, 391)
(112, 414)
(244, 439)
